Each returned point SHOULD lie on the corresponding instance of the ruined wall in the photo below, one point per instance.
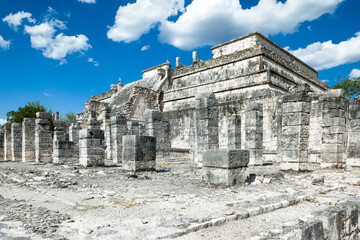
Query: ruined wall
(7, 143)
(16, 141)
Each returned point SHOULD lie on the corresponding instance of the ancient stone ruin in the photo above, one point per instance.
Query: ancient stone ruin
(252, 107)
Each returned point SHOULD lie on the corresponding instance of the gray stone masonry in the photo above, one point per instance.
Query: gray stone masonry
(91, 144)
(43, 137)
(119, 128)
(139, 153)
(225, 166)
(1, 144)
(7, 143)
(207, 136)
(334, 133)
(16, 142)
(158, 126)
(353, 148)
(28, 140)
(134, 128)
(234, 132)
(254, 132)
(74, 130)
(62, 148)
(295, 130)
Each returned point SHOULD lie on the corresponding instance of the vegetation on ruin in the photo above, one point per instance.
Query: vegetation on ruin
(68, 117)
(350, 85)
(28, 111)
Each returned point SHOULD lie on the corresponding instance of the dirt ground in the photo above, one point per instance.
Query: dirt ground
(70, 202)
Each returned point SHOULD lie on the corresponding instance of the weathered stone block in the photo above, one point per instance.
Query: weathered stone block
(222, 176)
(28, 140)
(16, 141)
(91, 133)
(139, 153)
(44, 115)
(225, 158)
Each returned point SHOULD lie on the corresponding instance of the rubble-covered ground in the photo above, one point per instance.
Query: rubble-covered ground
(69, 202)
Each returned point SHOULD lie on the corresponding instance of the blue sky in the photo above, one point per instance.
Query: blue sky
(63, 52)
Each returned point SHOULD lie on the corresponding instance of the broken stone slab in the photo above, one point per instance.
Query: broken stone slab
(139, 153)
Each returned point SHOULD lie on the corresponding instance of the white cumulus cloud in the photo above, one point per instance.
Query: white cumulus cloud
(146, 47)
(87, 1)
(57, 47)
(134, 20)
(325, 55)
(2, 121)
(355, 73)
(96, 63)
(15, 20)
(211, 22)
(4, 44)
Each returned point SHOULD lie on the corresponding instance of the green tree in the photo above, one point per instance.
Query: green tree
(68, 117)
(350, 85)
(29, 111)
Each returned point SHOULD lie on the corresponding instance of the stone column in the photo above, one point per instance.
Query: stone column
(334, 106)
(28, 140)
(139, 153)
(254, 132)
(7, 143)
(1, 144)
(207, 131)
(62, 147)
(234, 132)
(16, 142)
(74, 130)
(353, 149)
(91, 151)
(158, 126)
(119, 128)
(295, 130)
(43, 137)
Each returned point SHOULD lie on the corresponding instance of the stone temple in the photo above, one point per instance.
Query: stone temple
(253, 103)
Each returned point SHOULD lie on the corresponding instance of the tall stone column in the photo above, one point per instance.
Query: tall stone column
(134, 128)
(335, 105)
(91, 151)
(254, 115)
(234, 132)
(43, 137)
(295, 130)
(1, 144)
(74, 130)
(119, 128)
(158, 126)
(16, 141)
(28, 140)
(7, 143)
(62, 147)
(207, 130)
(353, 149)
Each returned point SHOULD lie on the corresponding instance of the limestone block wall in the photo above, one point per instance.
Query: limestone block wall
(353, 147)
(1, 144)
(16, 141)
(43, 137)
(7, 143)
(28, 140)
(315, 130)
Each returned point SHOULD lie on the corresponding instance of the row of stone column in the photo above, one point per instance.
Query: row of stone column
(207, 129)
